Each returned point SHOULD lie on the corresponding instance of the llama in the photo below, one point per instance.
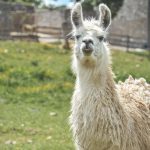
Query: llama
(105, 116)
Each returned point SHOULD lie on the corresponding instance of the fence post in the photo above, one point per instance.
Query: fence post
(65, 27)
(128, 43)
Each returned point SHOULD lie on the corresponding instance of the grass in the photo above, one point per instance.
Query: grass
(36, 85)
(136, 64)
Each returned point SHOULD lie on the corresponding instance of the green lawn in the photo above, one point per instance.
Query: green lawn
(36, 85)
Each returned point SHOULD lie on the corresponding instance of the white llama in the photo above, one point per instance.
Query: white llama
(105, 116)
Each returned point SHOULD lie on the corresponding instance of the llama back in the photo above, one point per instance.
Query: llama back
(135, 99)
(139, 89)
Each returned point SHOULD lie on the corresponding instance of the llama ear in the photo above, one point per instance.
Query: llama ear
(105, 16)
(77, 16)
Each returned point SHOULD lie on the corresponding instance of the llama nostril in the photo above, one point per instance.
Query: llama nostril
(90, 41)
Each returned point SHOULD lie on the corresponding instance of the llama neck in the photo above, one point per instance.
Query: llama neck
(102, 87)
(93, 77)
(98, 81)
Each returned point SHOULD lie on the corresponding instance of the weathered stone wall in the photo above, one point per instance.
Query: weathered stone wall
(55, 18)
(13, 15)
(49, 18)
(131, 19)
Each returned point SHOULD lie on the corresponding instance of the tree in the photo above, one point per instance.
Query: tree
(114, 5)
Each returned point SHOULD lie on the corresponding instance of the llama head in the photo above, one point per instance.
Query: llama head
(90, 46)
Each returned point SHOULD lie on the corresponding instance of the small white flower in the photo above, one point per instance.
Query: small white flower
(5, 50)
(52, 113)
(49, 138)
(22, 125)
(137, 66)
(29, 141)
(10, 142)
(14, 142)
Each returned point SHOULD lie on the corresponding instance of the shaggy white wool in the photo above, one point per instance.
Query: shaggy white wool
(105, 116)
(138, 88)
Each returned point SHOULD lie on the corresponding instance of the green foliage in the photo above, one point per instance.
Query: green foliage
(36, 82)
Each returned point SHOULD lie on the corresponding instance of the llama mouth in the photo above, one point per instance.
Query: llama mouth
(87, 51)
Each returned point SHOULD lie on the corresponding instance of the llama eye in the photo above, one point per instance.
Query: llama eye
(101, 38)
(77, 36)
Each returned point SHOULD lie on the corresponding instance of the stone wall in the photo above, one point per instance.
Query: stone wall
(13, 15)
(55, 18)
(49, 18)
(131, 19)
